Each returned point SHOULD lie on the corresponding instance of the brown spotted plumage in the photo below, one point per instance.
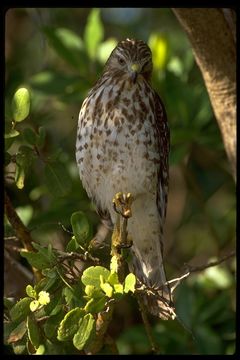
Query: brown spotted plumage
(123, 146)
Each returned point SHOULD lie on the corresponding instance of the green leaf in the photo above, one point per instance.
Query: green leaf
(129, 283)
(159, 46)
(18, 333)
(105, 49)
(114, 264)
(34, 305)
(74, 296)
(68, 45)
(68, 294)
(30, 136)
(36, 260)
(54, 82)
(31, 292)
(70, 324)
(40, 350)
(33, 331)
(12, 134)
(91, 276)
(8, 302)
(215, 277)
(89, 290)
(20, 347)
(118, 288)
(55, 303)
(52, 324)
(176, 66)
(20, 171)
(94, 33)
(57, 179)
(27, 151)
(47, 252)
(107, 288)
(85, 330)
(113, 279)
(72, 245)
(51, 283)
(9, 141)
(81, 228)
(93, 292)
(24, 159)
(25, 213)
(50, 273)
(57, 309)
(21, 104)
(21, 309)
(96, 305)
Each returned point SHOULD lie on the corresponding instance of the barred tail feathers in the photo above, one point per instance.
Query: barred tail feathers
(147, 262)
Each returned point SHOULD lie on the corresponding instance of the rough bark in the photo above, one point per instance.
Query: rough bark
(212, 35)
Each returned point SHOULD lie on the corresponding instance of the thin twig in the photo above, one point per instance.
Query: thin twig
(9, 238)
(64, 228)
(211, 263)
(154, 347)
(77, 256)
(192, 269)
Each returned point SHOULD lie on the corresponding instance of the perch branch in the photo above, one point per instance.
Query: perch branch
(122, 206)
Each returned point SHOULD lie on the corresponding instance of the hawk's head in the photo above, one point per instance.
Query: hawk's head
(132, 57)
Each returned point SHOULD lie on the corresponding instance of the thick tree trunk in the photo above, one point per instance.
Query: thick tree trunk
(212, 35)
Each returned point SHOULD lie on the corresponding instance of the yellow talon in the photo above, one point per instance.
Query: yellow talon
(122, 204)
(127, 213)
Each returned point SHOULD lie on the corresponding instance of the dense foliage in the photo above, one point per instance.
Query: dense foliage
(53, 57)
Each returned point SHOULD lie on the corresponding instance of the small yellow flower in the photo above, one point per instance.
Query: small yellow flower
(44, 298)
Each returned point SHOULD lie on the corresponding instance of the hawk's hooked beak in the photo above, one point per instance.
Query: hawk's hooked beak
(135, 70)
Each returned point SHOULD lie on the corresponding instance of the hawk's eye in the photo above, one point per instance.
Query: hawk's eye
(121, 61)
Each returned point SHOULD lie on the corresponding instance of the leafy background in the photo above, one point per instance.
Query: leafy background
(58, 54)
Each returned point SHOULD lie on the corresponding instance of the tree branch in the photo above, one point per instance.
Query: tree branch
(191, 269)
(214, 48)
(20, 229)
